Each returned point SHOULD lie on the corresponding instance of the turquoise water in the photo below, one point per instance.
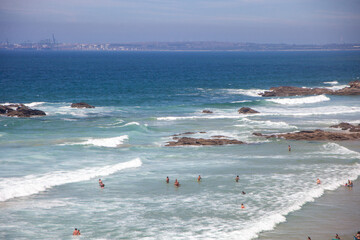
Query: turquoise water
(49, 166)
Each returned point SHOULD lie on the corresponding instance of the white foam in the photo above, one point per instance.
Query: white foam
(302, 100)
(33, 104)
(131, 123)
(32, 184)
(337, 87)
(102, 142)
(243, 101)
(335, 148)
(246, 92)
(263, 124)
(327, 110)
(332, 82)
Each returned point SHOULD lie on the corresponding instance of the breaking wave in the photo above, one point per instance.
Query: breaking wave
(302, 100)
(103, 142)
(33, 184)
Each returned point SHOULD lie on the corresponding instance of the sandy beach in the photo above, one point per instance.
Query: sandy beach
(335, 212)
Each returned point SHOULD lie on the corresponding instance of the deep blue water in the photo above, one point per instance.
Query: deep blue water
(162, 78)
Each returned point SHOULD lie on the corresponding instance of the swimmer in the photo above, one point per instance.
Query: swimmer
(237, 178)
(75, 232)
(167, 179)
(318, 181)
(242, 206)
(176, 184)
(199, 178)
(243, 193)
(78, 233)
(337, 236)
(289, 147)
(309, 238)
(100, 182)
(357, 237)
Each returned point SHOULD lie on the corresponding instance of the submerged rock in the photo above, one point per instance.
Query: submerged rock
(247, 110)
(81, 105)
(186, 141)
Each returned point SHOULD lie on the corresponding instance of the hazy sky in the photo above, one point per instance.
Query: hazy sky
(110, 21)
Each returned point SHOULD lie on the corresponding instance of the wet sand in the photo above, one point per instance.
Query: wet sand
(335, 212)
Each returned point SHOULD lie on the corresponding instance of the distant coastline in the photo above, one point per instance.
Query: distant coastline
(176, 46)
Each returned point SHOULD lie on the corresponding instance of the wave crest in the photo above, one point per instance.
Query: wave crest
(32, 184)
(302, 100)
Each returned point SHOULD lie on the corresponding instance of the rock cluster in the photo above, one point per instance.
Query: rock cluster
(187, 141)
(316, 135)
(247, 110)
(81, 105)
(207, 111)
(285, 91)
(19, 110)
(347, 126)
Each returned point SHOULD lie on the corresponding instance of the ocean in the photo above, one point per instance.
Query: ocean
(50, 166)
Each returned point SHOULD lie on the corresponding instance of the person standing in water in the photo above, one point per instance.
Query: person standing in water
(199, 178)
(176, 184)
(242, 206)
(289, 148)
(237, 178)
(318, 181)
(75, 232)
(167, 179)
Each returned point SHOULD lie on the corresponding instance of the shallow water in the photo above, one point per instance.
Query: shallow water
(49, 166)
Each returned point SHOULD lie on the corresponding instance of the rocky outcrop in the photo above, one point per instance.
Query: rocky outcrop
(347, 126)
(186, 141)
(316, 135)
(247, 110)
(295, 91)
(20, 111)
(81, 105)
(207, 111)
(286, 91)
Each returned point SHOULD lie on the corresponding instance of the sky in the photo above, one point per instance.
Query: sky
(119, 21)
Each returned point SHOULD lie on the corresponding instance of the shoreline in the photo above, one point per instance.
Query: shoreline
(334, 212)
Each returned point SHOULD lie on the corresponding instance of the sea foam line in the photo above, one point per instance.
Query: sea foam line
(102, 142)
(33, 184)
(246, 92)
(302, 100)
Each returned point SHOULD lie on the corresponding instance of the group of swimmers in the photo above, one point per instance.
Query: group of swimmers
(349, 183)
(76, 232)
(177, 184)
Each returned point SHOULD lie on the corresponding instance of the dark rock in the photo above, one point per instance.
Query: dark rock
(218, 136)
(247, 110)
(5, 109)
(316, 135)
(285, 91)
(207, 111)
(355, 84)
(187, 133)
(25, 112)
(347, 126)
(186, 141)
(81, 105)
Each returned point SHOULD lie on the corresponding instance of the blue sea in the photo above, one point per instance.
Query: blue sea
(50, 166)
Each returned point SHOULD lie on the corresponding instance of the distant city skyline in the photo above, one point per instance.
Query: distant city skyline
(116, 21)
